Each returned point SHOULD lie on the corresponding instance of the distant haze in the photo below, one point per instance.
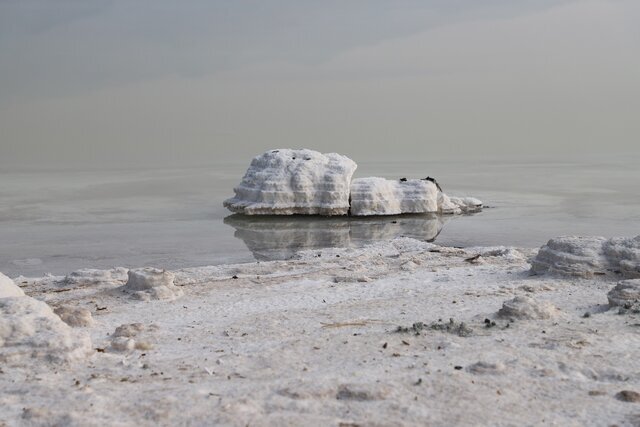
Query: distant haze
(155, 82)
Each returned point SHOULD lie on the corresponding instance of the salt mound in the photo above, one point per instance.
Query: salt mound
(587, 256)
(89, 276)
(74, 316)
(379, 196)
(8, 288)
(527, 308)
(625, 254)
(152, 283)
(288, 182)
(30, 330)
(571, 255)
(625, 294)
(457, 205)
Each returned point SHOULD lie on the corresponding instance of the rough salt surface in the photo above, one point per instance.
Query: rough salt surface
(30, 330)
(589, 256)
(380, 196)
(152, 283)
(74, 316)
(288, 182)
(625, 293)
(527, 308)
(8, 288)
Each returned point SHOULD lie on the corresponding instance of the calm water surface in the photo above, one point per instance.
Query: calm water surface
(59, 221)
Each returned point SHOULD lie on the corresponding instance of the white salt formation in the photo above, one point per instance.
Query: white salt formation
(74, 316)
(625, 294)
(30, 330)
(589, 256)
(623, 254)
(89, 276)
(152, 283)
(379, 196)
(8, 288)
(288, 182)
(527, 308)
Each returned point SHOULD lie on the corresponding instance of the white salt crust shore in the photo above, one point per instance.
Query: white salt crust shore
(315, 341)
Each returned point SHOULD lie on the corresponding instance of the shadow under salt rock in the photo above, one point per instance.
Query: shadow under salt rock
(279, 237)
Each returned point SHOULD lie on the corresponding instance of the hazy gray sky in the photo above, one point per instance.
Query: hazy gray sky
(155, 81)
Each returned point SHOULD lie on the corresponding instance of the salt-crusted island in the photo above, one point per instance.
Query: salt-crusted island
(290, 182)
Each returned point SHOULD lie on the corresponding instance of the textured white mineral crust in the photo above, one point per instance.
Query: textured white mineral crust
(288, 182)
(379, 196)
(522, 307)
(29, 330)
(8, 288)
(74, 316)
(589, 256)
(625, 293)
(623, 253)
(89, 276)
(151, 283)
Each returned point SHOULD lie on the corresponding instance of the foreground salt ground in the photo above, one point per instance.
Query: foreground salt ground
(315, 341)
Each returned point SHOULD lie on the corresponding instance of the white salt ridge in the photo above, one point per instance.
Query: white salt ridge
(288, 182)
(152, 283)
(589, 256)
(625, 293)
(89, 276)
(8, 288)
(29, 330)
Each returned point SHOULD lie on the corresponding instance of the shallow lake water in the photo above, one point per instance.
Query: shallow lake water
(60, 221)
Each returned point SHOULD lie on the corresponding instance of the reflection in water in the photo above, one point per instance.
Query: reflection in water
(278, 237)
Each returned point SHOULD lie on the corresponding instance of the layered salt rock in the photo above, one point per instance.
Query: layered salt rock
(74, 316)
(380, 196)
(625, 294)
(151, 283)
(29, 330)
(624, 254)
(571, 255)
(589, 256)
(8, 288)
(288, 182)
(522, 307)
(89, 276)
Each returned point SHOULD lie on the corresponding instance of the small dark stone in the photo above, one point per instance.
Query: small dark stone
(587, 314)
(403, 179)
(234, 277)
(384, 345)
(628, 396)
(457, 367)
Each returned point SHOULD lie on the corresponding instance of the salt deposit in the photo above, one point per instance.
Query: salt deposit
(625, 294)
(302, 341)
(152, 283)
(624, 253)
(8, 288)
(30, 330)
(589, 256)
(522, 307)
(288, 182)
(74, 316)
(379, 196)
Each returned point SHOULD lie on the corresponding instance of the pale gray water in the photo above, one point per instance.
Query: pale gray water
(59, 221)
